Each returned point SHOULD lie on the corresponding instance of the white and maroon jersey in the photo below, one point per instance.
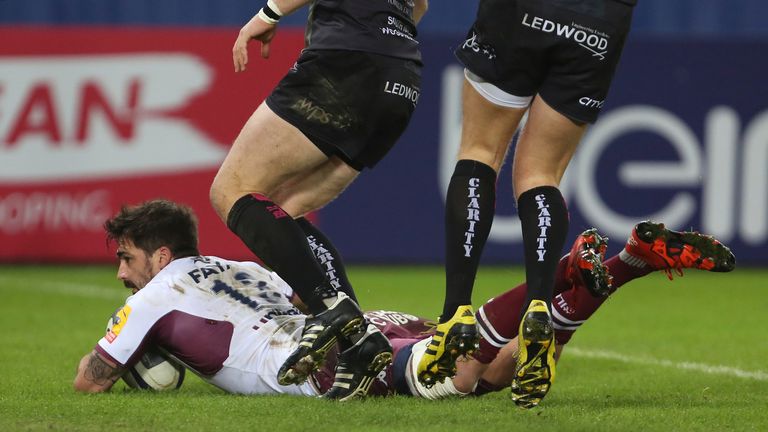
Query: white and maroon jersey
(230, 322)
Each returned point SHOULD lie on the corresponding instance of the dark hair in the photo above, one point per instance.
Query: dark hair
(154, 224)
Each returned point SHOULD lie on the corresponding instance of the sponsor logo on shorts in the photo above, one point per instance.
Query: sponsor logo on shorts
(118, 322)
(591, 103)
(588, 38)
(317, 114)
(399, 89)
(472, 44)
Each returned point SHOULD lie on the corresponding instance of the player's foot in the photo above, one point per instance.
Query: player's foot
(342, 319)
(585, 263)
(452, 339)
(664, 249)
(359, 365)
(535, 369)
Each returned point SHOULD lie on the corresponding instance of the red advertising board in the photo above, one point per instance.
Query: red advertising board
(95, 118)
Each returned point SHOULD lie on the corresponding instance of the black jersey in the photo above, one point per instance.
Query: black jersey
(588, 6)
(376, 26)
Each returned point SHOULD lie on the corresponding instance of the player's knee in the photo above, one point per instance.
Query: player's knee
(523, 183)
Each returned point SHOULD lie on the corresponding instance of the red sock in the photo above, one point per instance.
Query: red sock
(624, 272)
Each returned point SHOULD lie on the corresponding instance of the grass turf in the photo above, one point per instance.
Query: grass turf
(687, 355)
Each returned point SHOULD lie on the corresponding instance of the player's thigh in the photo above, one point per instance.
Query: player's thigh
(582, 63)
(350, 104)
(487, 128)
(313, 191)
(544, 148)
(267, 153)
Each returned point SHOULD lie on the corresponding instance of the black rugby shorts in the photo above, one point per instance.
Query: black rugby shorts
(564, 50)
(350, 104)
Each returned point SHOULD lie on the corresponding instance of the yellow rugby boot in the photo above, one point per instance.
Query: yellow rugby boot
(452, 339)
(535, 369)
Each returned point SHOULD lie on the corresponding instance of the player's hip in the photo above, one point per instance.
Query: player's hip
(349, 103)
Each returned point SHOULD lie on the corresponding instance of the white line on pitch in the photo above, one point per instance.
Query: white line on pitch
(650, 361)
(100, 291)
(69, 288)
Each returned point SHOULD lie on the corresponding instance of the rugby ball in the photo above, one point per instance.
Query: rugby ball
(154, 372)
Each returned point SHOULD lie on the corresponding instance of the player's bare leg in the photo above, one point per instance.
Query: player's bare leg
(487, 130)
(366, 351)
(302, 195)
(546, 145)
(269, 154)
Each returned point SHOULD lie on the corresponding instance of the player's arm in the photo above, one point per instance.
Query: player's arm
(96, 374)
(501, 370)
(419, 9)
(262, 27)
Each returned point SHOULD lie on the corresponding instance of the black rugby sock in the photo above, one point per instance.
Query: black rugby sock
(273, 235)
(469, 210)
(328, 257)
(544, 218)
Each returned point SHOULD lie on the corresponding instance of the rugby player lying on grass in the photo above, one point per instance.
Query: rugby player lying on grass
(234, 323)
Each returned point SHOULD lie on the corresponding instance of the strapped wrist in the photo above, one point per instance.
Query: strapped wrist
(272, 6)
(270, 13)
(265, 16)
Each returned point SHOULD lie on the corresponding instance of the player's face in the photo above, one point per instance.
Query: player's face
(136, 267)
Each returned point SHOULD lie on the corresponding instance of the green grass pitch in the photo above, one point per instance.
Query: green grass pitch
(686, 355)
